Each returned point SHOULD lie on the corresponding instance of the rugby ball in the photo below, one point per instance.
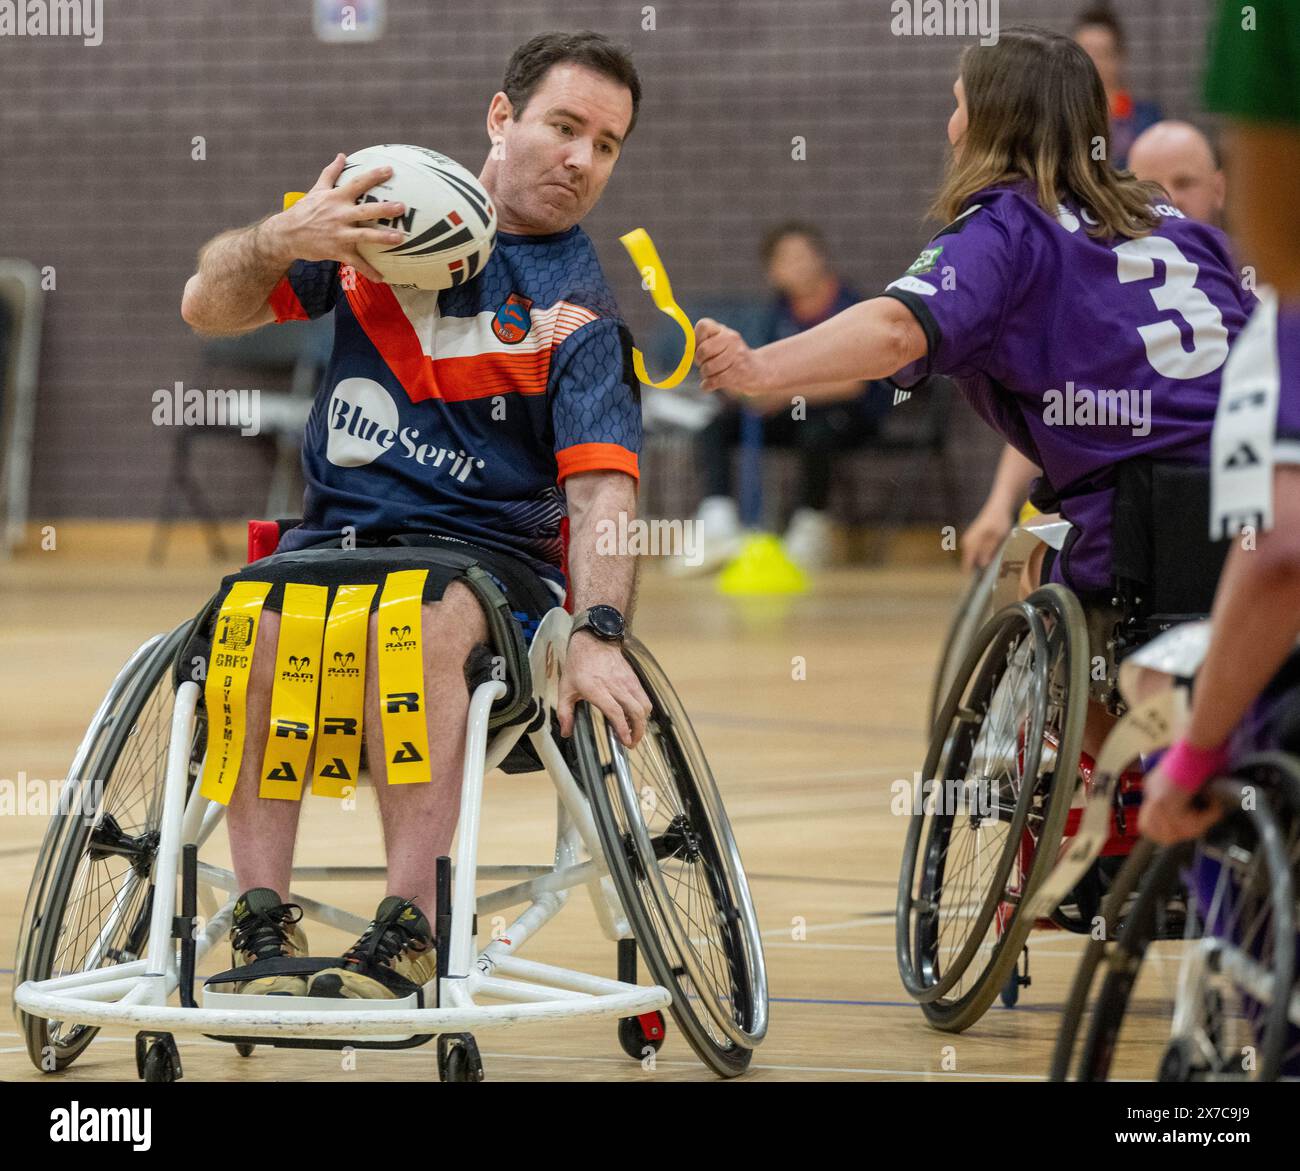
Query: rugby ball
(450, 224)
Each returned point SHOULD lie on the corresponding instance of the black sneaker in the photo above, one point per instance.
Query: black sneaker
(393, 958)
(265, 928)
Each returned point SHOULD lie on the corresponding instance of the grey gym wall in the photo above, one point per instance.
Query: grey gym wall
(99, 181)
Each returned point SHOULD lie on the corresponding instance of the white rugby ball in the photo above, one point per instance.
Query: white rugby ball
(450, 223)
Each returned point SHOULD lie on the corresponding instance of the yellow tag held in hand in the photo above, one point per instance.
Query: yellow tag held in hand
(646, 258)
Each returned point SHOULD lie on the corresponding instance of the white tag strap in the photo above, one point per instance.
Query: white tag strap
(1242, 442)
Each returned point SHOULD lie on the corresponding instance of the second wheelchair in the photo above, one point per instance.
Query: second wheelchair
(1007, 744)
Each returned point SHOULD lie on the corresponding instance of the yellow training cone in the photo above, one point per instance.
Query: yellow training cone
(655, 280)
(292, 197)
(762, 567)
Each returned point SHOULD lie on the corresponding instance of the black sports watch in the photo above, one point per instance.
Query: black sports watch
(604, 622)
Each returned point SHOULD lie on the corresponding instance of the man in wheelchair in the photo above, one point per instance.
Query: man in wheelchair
(409, 587)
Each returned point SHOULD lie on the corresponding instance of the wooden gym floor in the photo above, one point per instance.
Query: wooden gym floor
(805, 767)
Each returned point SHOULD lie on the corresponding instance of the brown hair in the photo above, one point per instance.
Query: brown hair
(531, 62)
(810, 232)
(1035, 107)
(1101, 16)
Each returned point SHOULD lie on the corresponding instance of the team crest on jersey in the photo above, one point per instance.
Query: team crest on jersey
(926, 261)
(513, 320)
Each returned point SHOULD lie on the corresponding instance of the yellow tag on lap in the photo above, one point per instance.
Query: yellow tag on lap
(401, 678)
(226, 691)
(343, 691)
(653, 275)
(294, 691)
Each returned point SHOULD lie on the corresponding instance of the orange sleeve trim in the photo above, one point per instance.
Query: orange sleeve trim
(285, 303)
(596, 457)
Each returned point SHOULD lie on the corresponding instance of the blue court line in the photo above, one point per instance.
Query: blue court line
(897, 1003)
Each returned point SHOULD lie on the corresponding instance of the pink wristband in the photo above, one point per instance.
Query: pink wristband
(1189, 768)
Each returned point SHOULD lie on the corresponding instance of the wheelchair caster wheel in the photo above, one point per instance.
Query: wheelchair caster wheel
(1176, 1063)
(458, 1058)
(1015, 981)
(638, 1033)
(244, 1048)
(157, 1058)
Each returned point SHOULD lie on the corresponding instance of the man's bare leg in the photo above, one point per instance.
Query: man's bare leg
(262, 830)
(420, 819)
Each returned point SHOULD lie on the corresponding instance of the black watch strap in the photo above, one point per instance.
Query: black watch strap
(605, 622)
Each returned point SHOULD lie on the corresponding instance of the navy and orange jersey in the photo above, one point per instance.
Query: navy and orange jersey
(462, 412)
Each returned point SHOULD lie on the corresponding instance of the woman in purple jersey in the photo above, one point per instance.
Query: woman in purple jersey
(1081, 314)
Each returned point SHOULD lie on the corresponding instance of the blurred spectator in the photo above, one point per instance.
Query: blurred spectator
(1098, 32)
(808, 291)
(1181, 159)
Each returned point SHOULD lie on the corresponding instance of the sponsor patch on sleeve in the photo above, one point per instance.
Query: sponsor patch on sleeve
(912, 285)
(926, 262)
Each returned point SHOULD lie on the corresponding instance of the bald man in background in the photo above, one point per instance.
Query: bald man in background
(1180, 158)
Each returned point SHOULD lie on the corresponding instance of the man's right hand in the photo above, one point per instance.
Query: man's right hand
(328, 223)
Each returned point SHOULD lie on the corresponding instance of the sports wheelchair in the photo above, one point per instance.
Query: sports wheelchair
(108, 939)
(1008, 784)
(1228, 1008)
(972, 611)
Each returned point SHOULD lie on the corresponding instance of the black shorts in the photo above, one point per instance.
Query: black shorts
(328, 564)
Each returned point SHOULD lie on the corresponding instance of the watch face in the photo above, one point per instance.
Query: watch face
(606, 621)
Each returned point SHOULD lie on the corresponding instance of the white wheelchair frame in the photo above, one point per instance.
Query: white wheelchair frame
(135, 994)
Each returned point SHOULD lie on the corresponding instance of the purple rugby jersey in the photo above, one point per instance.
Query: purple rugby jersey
(1081, 352)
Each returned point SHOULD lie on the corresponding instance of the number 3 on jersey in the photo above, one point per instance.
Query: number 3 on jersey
(1178, 294)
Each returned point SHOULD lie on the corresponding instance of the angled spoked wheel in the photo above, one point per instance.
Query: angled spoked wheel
(91, 895)
(675, 864)
(1117, 908)
(1002, 767)
(1109, 971)
(1223, 1003)
(1234, 1012)
(967, 621)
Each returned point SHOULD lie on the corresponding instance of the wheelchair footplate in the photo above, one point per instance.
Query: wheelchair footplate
(305, 966)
